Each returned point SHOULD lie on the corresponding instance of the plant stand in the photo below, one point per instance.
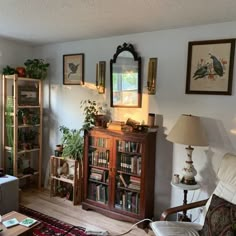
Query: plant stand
(58, 179)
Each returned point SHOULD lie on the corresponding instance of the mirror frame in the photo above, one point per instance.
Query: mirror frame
(120, 49)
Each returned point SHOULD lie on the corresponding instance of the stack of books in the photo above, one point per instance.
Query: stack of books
(98, 174)
(134, 183)
(116, 125)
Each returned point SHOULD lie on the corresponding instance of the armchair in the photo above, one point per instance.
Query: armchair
(225, 193)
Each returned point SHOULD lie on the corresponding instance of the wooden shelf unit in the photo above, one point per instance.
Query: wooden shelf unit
(56, 179)
(119, 174)
(11, 85)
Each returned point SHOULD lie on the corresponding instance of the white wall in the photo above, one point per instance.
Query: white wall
(62, 103)
(13, 53)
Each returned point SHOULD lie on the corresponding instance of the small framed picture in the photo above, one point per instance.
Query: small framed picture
(73, 69)
(210, 67)
(28, 96)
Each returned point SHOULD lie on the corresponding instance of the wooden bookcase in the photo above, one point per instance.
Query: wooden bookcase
(22, 139)
(58, 179)
(119, 174)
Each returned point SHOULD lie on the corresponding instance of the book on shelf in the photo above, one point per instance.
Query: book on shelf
(100, 158)
(98, 174)
(123, 180)
(28, 222)
(10, 223)
(134, 186)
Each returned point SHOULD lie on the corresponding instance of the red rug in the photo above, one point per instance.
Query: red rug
(51, 226)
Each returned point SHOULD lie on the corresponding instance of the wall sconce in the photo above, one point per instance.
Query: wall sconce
(100, 76)
(152, 74)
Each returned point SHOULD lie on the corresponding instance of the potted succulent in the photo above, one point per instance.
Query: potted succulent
(36, 68)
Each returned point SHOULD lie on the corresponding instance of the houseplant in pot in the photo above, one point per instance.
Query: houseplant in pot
(73, 146)
(95, 114)
(36, 68)
(7, 70)
(73, 143)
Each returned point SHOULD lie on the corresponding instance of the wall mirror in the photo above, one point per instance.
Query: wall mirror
(125, 69)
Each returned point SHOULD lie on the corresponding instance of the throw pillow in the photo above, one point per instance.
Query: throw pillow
(220, 219)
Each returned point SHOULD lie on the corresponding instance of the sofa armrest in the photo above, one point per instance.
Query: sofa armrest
(184, 207)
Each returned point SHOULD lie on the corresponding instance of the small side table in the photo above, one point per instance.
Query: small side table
(186, 188)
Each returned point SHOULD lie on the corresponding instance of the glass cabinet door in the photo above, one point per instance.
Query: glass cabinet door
(128, 176)
(98, 170)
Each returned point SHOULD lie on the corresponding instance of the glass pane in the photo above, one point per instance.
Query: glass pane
(128, 176)
(98, 177)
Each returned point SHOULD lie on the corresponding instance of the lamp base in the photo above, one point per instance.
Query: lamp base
(188, 181)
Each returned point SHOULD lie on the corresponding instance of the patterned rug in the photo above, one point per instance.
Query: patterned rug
(52, 226)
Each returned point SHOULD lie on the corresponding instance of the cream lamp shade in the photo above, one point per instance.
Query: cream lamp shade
(189, 131)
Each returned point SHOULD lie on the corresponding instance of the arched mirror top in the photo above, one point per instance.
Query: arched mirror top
(125, 68)
(126, 50)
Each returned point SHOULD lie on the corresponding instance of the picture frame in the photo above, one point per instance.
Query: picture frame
(28, 96)
(210, 67)
(73, 69)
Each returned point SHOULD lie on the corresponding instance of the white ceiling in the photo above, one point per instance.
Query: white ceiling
(49, 21)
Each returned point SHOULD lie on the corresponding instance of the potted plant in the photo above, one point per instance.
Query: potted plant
(73, 143)
(8, 70)
(23, 116)
(36, 68)
(73, 147)
(27, 138)
(95, 114)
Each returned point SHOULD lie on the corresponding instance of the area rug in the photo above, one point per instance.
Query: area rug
(51, 226)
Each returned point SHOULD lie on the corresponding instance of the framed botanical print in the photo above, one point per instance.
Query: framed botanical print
(210, 67)
(73, 69)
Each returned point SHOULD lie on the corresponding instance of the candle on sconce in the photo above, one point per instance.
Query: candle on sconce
(97, 74)
(151, 84)
(100, 77)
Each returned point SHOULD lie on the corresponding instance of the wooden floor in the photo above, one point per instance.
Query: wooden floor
(62, 209)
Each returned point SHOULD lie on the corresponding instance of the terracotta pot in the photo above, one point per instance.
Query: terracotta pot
(21, 71)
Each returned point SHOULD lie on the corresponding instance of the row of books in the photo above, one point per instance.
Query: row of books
(100, 158)
(99, 142)
(99, 175)
(130, 164)
(98, 192)
(128, 146)
(127, 201)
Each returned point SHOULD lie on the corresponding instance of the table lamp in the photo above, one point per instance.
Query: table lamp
(189, 131)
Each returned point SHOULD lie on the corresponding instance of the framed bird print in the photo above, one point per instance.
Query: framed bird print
(73, 69)
(210, 67)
